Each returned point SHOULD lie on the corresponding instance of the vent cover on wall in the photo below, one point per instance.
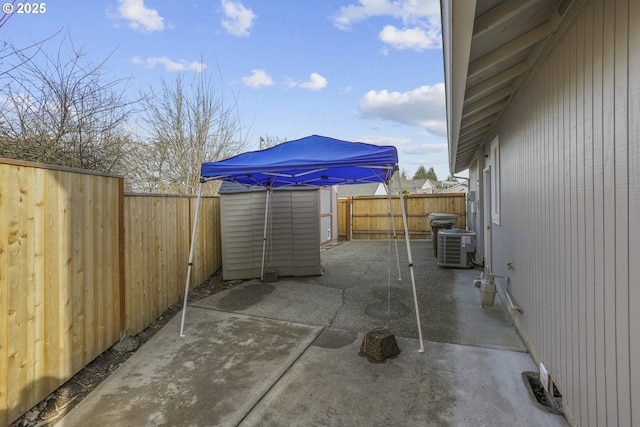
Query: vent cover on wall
(456, 248)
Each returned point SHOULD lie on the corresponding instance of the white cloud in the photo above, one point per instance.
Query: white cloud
(239, 19)
(438, 148)
(424, 107)
(420, 21)
(385, 140)
(257, 78)
(409, 11)
(410, 38)
(413, 152)
(315, 83)
(169, 64)
(140, 17)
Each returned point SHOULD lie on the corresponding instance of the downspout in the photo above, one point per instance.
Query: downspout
(466, 226)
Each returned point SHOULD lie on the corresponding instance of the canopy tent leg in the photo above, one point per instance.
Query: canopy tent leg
(413, 280)
(191, 252)
(264, 236)
(393, 227)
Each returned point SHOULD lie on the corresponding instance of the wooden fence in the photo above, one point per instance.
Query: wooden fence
(81, 265)
(367, 217)
(157, 236)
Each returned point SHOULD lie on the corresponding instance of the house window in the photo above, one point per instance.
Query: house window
(495, 181)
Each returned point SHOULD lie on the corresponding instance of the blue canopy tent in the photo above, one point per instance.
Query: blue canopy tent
(312, 161)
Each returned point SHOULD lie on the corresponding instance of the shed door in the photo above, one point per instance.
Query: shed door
(327, 212)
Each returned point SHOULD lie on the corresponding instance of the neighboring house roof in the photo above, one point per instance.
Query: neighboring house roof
(430, 185)
(457, 188)
(233, 187)
(370, 189)
(490, 51)
(413, 186)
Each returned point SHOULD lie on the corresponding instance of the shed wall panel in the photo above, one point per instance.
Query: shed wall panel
(292, 244)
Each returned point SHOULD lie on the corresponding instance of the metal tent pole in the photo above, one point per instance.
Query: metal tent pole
(264, 236)
(393, 227)
(413, 280)
(191, 252)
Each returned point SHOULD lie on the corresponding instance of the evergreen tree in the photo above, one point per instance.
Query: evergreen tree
(431, 174)
(421, 173)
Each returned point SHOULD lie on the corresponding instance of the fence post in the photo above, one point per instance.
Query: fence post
(348, 217)
(121, 260)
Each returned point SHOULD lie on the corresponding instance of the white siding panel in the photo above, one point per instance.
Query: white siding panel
(634, 207)
(580, 329)
(608, 76)
(598, 211)
(570, 226)
(589, 332)
(621, 191)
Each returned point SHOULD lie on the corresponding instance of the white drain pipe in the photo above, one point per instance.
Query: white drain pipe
(506, 292)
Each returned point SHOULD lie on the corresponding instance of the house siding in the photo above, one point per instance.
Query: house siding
(570, 203)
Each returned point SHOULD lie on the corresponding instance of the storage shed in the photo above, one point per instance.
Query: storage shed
(293, 231)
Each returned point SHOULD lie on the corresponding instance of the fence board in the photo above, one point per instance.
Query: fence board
(157, 236)
(80, 264)
(57, 253)
(147, 288)
(370, 215)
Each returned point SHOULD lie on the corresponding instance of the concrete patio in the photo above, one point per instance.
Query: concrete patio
(287, 353)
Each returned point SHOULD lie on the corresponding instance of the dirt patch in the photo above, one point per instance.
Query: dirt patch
(52, 408)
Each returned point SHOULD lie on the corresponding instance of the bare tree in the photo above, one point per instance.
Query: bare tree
(12, 57)
(186, 126)
(270, 141)
(65, 110)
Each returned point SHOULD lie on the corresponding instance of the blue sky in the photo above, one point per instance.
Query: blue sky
(360, 70)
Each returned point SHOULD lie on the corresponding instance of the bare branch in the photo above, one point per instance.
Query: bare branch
(189, 125)
(65, 110)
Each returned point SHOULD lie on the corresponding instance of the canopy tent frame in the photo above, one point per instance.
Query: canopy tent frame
(267, 205)
(379, 170)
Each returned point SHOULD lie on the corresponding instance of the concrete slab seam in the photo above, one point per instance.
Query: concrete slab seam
(284, 372)
(195, 305)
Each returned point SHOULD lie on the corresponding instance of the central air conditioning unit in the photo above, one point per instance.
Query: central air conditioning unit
(456, 248)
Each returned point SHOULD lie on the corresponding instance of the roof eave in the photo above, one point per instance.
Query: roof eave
(457, 31)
